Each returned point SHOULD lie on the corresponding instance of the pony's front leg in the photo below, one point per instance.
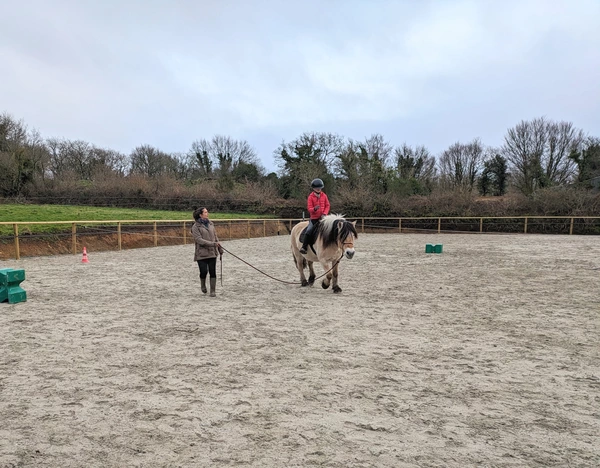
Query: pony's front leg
(327, 280)
(311, 277)
(336, 288)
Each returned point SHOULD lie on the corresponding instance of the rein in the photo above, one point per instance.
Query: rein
(272, 277)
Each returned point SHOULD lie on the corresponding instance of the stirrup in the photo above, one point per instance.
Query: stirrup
(303, 250)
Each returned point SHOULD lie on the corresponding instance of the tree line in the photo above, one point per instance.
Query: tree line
(536, 156)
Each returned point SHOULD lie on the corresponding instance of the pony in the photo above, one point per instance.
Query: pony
(333, 238)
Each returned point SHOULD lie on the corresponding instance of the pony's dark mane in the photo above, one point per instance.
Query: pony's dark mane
(333, 227)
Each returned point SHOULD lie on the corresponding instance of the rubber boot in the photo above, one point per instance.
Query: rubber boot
(303, 249)
(213, 287)
(203, 285)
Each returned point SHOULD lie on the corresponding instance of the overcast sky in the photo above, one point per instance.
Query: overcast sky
(123, 73)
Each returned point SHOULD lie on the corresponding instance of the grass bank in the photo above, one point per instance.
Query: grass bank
(13, 213)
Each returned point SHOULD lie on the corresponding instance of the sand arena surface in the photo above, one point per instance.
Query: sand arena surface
(485, 355)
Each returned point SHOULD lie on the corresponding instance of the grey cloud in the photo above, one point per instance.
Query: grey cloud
(166, 73)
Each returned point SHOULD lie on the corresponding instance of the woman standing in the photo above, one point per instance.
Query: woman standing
(207, 249)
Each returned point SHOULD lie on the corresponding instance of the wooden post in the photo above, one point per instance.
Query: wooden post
(74, 238)
(155, 235)
(439, 225)
(363, 224)
(400, 225)
(290, 225)
(119, 239)
(17, 250)
(264, 228)
(525, 228)
(184, 234)
(229, 223)
(248, 229)
(480, 224)
(571, 227)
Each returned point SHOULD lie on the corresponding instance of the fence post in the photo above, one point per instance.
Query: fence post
(119, 239)
(363, 224)
(17, 250)
(571, 227)
(248, 229)
(400, 225)
(439, 225)
(184, 234)
(264, 228)
(155, 235)
(525, 229)
(480, 224)
(74, 238)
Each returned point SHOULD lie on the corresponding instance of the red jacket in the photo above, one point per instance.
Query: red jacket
(322, 202)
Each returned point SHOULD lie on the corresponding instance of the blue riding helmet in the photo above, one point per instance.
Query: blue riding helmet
(317, 183)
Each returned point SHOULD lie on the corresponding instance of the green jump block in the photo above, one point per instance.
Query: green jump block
(434, 248)
(10, 289)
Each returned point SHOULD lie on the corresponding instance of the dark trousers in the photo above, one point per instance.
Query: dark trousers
(208, 265)
(310, 229)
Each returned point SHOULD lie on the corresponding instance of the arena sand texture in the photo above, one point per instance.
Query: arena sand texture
(485, 355)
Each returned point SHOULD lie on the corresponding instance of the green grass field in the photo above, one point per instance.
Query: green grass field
(31, 213)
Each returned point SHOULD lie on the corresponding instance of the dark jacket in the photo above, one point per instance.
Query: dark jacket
(206, 241)
(321, 202)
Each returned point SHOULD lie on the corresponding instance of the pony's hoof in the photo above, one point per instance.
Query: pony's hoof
(324, 285)
(304, 283)
(311, 280)
(337, 289)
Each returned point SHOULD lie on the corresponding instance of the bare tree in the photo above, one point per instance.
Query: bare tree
(377, 149)
(365, 163)
(58, 163)
(539, 151)
(69, 157)
(82, 160)
(106, 161)
(21, 155)
(460, 164)
(563, 139)
(200, 159)
(36, 147)
(149, 161)
(79, 158)
(221, 155)
(316, 148)
(309, 156)
(348, 165)
(414, 163)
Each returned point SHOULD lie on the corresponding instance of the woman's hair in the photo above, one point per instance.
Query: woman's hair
(198, 212)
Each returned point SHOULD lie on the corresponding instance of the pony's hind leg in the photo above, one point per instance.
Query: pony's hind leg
(312, 276)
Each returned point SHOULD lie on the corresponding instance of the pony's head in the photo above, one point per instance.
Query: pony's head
(335, 230)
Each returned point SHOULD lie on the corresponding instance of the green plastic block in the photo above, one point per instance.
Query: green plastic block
(13, 295)
(10, 276)
(433, 248)
(9, 286)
